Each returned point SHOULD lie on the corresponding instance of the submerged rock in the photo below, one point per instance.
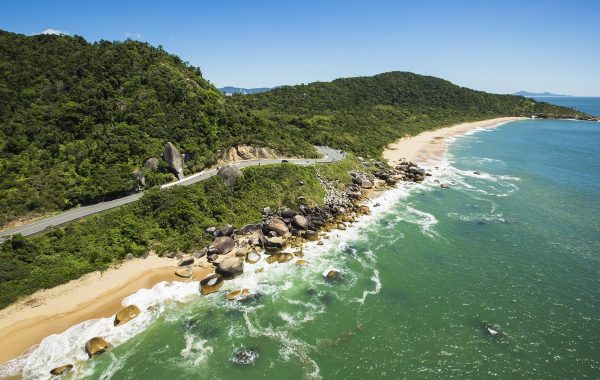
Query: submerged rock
(244, 356)
(493, 330)
(96, 346)
(58, 371)
(332, 275)
(285, 257)
(239, 294)
(211, 284)
(126, 314)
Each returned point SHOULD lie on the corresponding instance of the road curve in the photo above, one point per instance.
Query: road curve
(329, 155)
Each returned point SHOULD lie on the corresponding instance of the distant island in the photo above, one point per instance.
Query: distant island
(229, 90)
(536, 94)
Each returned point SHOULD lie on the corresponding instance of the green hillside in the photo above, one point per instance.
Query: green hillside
(365, 114)
(77, 118)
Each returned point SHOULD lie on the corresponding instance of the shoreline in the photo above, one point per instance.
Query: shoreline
(27, 322)
(429, 147)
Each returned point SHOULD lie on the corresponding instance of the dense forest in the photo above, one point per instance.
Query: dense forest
(365, 114)
(76, 119)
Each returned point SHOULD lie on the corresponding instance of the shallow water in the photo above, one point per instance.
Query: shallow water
(517, 246)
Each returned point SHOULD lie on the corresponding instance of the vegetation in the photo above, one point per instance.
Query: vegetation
(164, 221)
(365, 114)
(76, 119)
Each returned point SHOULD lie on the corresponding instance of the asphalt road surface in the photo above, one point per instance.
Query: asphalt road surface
(329, 155)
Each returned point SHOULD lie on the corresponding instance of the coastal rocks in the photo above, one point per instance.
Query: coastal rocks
(244, 356)
(174, 158)
(363, 210)
(311, 235)
(444, 186)
(230, 267)
(226, 230)
(238, 295)
(274, 244)
(252, 258)
(276, 225)
(151, 164)
(221, 245)
(184, 272)
(211, 284)
(186, 261)
(63, 369)
(96, 346)
(363, 182)
(332, 275)
(230, 173)
(300, 222)
(126, 314)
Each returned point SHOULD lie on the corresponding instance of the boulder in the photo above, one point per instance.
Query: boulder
(332, 275)
(252, 258)
(227, 230)
(244, 356)
(250, 228)
(174, 158)
(186, 261)
(276, 225)
(211, 284)
(363, 182)
(58, 371)
(184, 272)
(230, 267)
(200, 253)
(285, 257)
(96, 346)
(288, 213)
(300, 221)
(256, 238)
(151, 164)
(239, 294)
(273, 244)
(126, 314)
(140, 177)
(230, 173)
(221, 245)
(363, 210)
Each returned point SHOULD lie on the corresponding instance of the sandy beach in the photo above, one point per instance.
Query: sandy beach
(429, 147)
(95, 295)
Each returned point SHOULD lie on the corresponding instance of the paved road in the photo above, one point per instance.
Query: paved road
(329, 155)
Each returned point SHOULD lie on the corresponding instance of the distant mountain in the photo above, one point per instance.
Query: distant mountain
(536, 94)
(238, 90)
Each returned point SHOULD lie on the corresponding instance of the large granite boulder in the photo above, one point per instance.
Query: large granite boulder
(126, 314)
(300, 222)
(221, 245)
(230, 268)
(174, 158)
(276, 225)
(151, 164)
(230, 173)
(96, 346)
(140, 177)
(211, 284)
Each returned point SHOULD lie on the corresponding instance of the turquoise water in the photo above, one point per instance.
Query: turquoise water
(590, 105)
(516, 246)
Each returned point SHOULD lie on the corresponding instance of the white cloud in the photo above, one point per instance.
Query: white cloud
(53, 31)
(136, 36)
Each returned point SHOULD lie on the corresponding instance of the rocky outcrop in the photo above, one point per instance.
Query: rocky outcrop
(126, 314)
(96, 346)
(230, 267)
(221, 245)
(230, 174)
(175, 159)
(245, 152)
(151, 164)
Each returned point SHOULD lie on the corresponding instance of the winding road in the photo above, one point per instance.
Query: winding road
(329, 155)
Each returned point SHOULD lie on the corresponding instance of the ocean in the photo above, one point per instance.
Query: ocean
(589, 105)
(496, 277)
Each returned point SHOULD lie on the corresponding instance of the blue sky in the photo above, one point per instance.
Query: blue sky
(496, 46)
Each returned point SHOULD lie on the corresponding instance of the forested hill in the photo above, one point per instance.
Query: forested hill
(76, 119)
(364, 114)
